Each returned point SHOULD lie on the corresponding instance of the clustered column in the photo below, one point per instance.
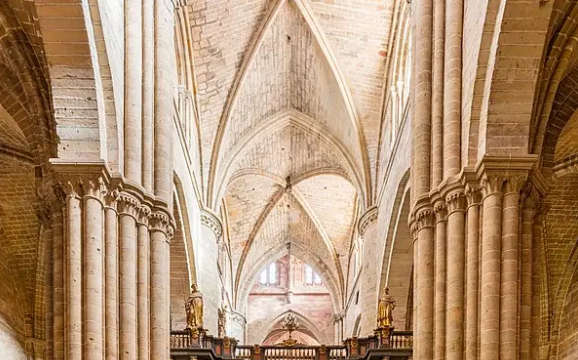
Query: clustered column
(367, 229)
(102, 244)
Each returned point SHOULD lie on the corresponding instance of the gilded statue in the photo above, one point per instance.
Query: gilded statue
(194, 309)
(385, 309)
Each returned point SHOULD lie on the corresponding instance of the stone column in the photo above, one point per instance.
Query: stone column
(472, 271)
(453, 87)
(491, 259)
(163, 106)
(425, 283)
(414, 236)
(456, 203)
(93, 271)
(143, 312)
(133, 90)
(238, 323)
(537, 274)
(128, 211)
(148, 71)
(440, 281)
(438, 93)
(58, 284)
(161, 235)
(73, 281)
(367, 229)
(509, 271)
(208, 274)
(529, 206)
(423, 95)
(111, 277)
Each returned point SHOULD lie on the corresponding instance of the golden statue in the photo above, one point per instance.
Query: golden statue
(194, 308)
(385, 309)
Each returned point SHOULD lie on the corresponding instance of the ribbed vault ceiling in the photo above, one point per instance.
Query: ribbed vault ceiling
(290, 97)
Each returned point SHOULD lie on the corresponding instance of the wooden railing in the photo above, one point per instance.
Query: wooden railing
(396, 346)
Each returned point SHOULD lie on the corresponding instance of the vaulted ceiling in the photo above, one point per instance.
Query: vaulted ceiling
(290, 100)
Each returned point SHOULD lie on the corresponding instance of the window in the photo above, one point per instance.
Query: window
(311, 277)
(269, 276)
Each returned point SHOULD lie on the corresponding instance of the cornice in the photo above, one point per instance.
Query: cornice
(211, 221)
(366, 220)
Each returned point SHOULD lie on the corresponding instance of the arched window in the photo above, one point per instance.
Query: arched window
(269, 276)
(311, 277)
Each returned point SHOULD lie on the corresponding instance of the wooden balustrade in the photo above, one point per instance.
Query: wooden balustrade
(396, 346)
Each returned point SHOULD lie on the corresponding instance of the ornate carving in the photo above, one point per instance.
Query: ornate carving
(440, 211)
(111, 198)
(159, 221)
(366, 220)
(473, 194)
(425, 219)
(515, 181)
(492, 183)
(213, 223)
(94, 187)
(144, 213)
(127, 204)
(456, 202)
(256, 350)
(323, 350)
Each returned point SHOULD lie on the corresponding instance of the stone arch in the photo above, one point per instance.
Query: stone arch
(566, 334)
(499, 87)
(289, 12)
(77, 56)
(249, 277)
(183, 271)
(301, 319)
(397, 276)
(275, 123)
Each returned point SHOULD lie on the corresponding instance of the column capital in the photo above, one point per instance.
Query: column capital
(128, 205)
(160, 221)
(212, 222)
(144, 213)
(238, 317)
(456, 201)
(440, 211)
(425, 219)
(366, 220)
(494, 172)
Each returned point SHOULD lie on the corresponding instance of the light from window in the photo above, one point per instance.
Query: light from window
(268, 276)
(272, 273)
(263, 277)
(311, 277)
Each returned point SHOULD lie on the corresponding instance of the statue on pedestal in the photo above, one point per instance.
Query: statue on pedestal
(194, 309)
(385, 309)
(222, 321)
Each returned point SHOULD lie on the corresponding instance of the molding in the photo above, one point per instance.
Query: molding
(212, 222)
(366, 220)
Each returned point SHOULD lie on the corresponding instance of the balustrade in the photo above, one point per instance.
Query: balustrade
(397, 346)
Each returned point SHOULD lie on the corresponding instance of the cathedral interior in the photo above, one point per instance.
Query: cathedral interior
(289, 179)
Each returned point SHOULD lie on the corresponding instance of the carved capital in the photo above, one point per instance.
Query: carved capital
(473, 194)
(368, 219)
(111, 199)
(213, 223)
(440, 211)
(144, 213)
(94, 187)
(160, 221)
(492, 183)
(456, 201)
(128, 205)
(424, 219)
(515, 181)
